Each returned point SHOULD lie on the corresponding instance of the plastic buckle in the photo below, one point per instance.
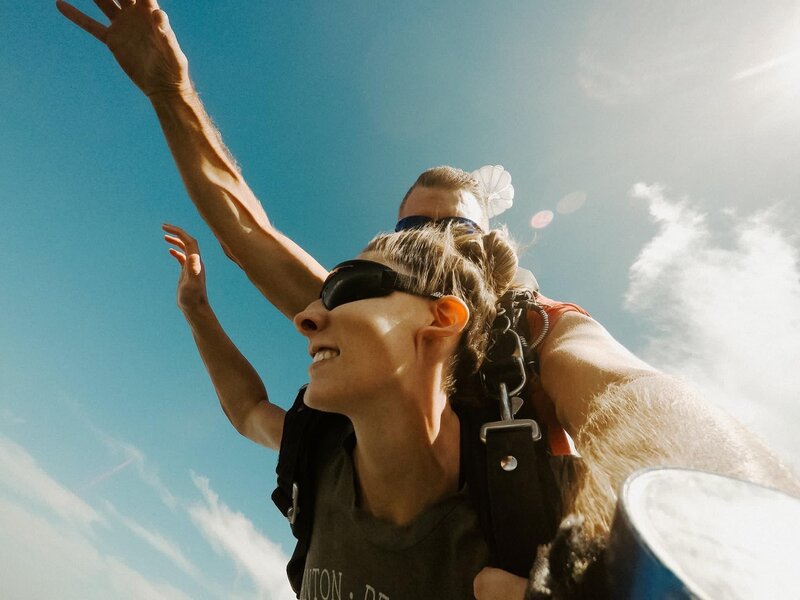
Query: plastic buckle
(291, 514)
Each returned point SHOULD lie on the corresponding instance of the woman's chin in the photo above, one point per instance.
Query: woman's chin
(318, 398)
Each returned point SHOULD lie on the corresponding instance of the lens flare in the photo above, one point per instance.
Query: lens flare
(571, 202)
(542, 219)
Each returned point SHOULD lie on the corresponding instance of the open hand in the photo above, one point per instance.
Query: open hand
(192, 282)
(496, 584)
(140, 38)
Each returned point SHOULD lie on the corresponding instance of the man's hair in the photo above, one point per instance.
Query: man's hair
(475, 267)
(451, 179)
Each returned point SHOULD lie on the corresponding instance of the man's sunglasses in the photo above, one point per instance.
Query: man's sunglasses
(417, 221)
(361, 279)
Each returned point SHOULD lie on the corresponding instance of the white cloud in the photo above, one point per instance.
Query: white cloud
(46, 559)
(8, 415)
(20, 473)
(726, 307)
(148, 474)
(42, 522)
(158, 542)
(233, 533)
(49, 548)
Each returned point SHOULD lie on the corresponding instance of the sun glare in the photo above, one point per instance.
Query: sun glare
(772, 80)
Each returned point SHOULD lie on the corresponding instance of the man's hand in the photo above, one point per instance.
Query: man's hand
(143, 44)
(192, 282)
(140, 38)
(496, 584)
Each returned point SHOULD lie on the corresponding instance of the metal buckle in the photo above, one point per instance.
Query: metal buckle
(502, 327)
(509, 422)
(536, 433)
(291, 514)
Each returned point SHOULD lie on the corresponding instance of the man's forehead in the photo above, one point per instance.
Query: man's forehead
(437, 203)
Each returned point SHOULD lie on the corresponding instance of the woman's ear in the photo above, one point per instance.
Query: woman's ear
(450, 316)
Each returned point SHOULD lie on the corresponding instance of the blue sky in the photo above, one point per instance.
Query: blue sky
(677, 125)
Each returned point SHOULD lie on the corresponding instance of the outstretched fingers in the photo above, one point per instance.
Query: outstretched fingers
(83, 21)
(151, 4)
(186, 241)
(179, 256)
(173, 229)
(186, 246)
(176, 241)
(109, 8)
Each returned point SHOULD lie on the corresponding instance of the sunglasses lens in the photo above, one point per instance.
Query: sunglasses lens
(351, 283)
(468, 224)
(413, 222)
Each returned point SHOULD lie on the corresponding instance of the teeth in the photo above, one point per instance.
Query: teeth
(324, 354)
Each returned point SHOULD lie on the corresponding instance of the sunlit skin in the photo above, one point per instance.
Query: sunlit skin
(386, 376)
(438, 203)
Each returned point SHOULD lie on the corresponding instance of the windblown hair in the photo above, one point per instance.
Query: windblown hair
(478, 268)
(451, 179)
(612, 449)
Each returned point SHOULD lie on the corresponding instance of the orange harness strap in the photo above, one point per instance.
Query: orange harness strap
(558, 440)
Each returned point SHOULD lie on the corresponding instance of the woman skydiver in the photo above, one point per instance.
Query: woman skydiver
(390, 337)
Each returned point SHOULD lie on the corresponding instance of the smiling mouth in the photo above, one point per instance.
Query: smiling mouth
(324, 354)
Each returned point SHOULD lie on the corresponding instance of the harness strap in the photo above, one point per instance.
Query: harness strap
(287, 495)
(294, 495)
(522, 503)
(517, 503)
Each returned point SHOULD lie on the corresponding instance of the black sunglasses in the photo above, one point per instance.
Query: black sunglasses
(361, 279)
(417, 221)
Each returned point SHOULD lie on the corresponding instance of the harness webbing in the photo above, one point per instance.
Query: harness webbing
(523, 499)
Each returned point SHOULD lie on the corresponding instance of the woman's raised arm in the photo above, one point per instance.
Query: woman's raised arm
(241, 392)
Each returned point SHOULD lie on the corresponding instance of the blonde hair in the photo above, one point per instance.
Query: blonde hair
(477, 268)
(451, 179)
(612, 448)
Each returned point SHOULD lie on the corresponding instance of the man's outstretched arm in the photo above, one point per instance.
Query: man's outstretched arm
(625, 415)
(143, 43)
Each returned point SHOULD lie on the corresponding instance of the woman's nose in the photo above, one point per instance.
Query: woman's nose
(311, 318)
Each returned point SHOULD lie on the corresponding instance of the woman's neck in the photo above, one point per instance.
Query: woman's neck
(407, 458)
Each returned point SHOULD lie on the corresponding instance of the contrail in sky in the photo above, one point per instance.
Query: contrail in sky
(106, 474)
(765, 66)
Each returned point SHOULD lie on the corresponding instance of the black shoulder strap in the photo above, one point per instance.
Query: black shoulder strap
(517, 498)
(293, 462)
(294, 495)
